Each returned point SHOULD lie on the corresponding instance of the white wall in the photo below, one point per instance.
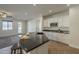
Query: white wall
(74, 26)
(11, 32)
(24, 27)
(35, 25)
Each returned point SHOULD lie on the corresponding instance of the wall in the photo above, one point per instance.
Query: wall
(24, 27)
(34, 25)
(74, 26)
(11, 32)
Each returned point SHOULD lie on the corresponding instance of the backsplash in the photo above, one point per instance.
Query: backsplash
(56, 28)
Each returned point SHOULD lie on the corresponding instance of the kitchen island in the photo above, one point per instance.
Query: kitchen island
(35, 40)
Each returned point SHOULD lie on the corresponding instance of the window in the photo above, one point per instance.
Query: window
(6, 25)
(20, 35)
(10, 25)
(19, 27)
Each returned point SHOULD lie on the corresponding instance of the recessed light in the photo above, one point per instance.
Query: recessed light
(50, 11)
(26, 13)
(68, 5)
(34, 4)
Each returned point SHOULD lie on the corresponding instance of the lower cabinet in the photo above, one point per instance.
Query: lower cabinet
(57, 36)
(52, 35)
(43, 49)
(63, 37)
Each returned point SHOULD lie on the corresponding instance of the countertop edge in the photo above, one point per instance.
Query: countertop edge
(64, 32)
(36, 46)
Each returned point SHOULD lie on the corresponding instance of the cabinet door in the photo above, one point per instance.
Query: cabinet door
(66, 38)
(63, 21)
(66, 21)
(55, 36)
(46, 33)
(60, 21)
(63, 37)
(52, 35)
(53, 19)
(46, 23)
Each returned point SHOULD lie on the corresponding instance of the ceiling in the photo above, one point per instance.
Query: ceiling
(29, 11)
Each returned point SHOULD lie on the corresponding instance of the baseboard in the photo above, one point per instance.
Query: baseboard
(74, 46)
(60, 42)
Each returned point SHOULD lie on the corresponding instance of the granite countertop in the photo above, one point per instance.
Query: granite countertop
(58, 31)
(64, 30)
(35, 40)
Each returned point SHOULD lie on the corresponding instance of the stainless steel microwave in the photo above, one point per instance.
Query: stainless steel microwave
(55, 24)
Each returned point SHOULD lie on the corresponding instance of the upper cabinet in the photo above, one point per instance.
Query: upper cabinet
(66, 21)
(53, 19)
(61, 18)
(46, 23)
(60, 21)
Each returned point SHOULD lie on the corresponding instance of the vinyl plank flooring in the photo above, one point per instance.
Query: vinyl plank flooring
(55, 47)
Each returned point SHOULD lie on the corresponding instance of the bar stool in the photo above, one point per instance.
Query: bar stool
(16, 49)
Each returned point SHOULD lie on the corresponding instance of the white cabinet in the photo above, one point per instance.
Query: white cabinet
(49, 35)
(52, 35)
(63, 21)
(66, 21)
(53, 19)
(60, 21)
(43, 49)
(63, 37)
(46, 23)
(57, 36)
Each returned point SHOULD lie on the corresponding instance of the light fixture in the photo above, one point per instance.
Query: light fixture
(3, 14)
(34, 4)
(50, 11)
(68, 5)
